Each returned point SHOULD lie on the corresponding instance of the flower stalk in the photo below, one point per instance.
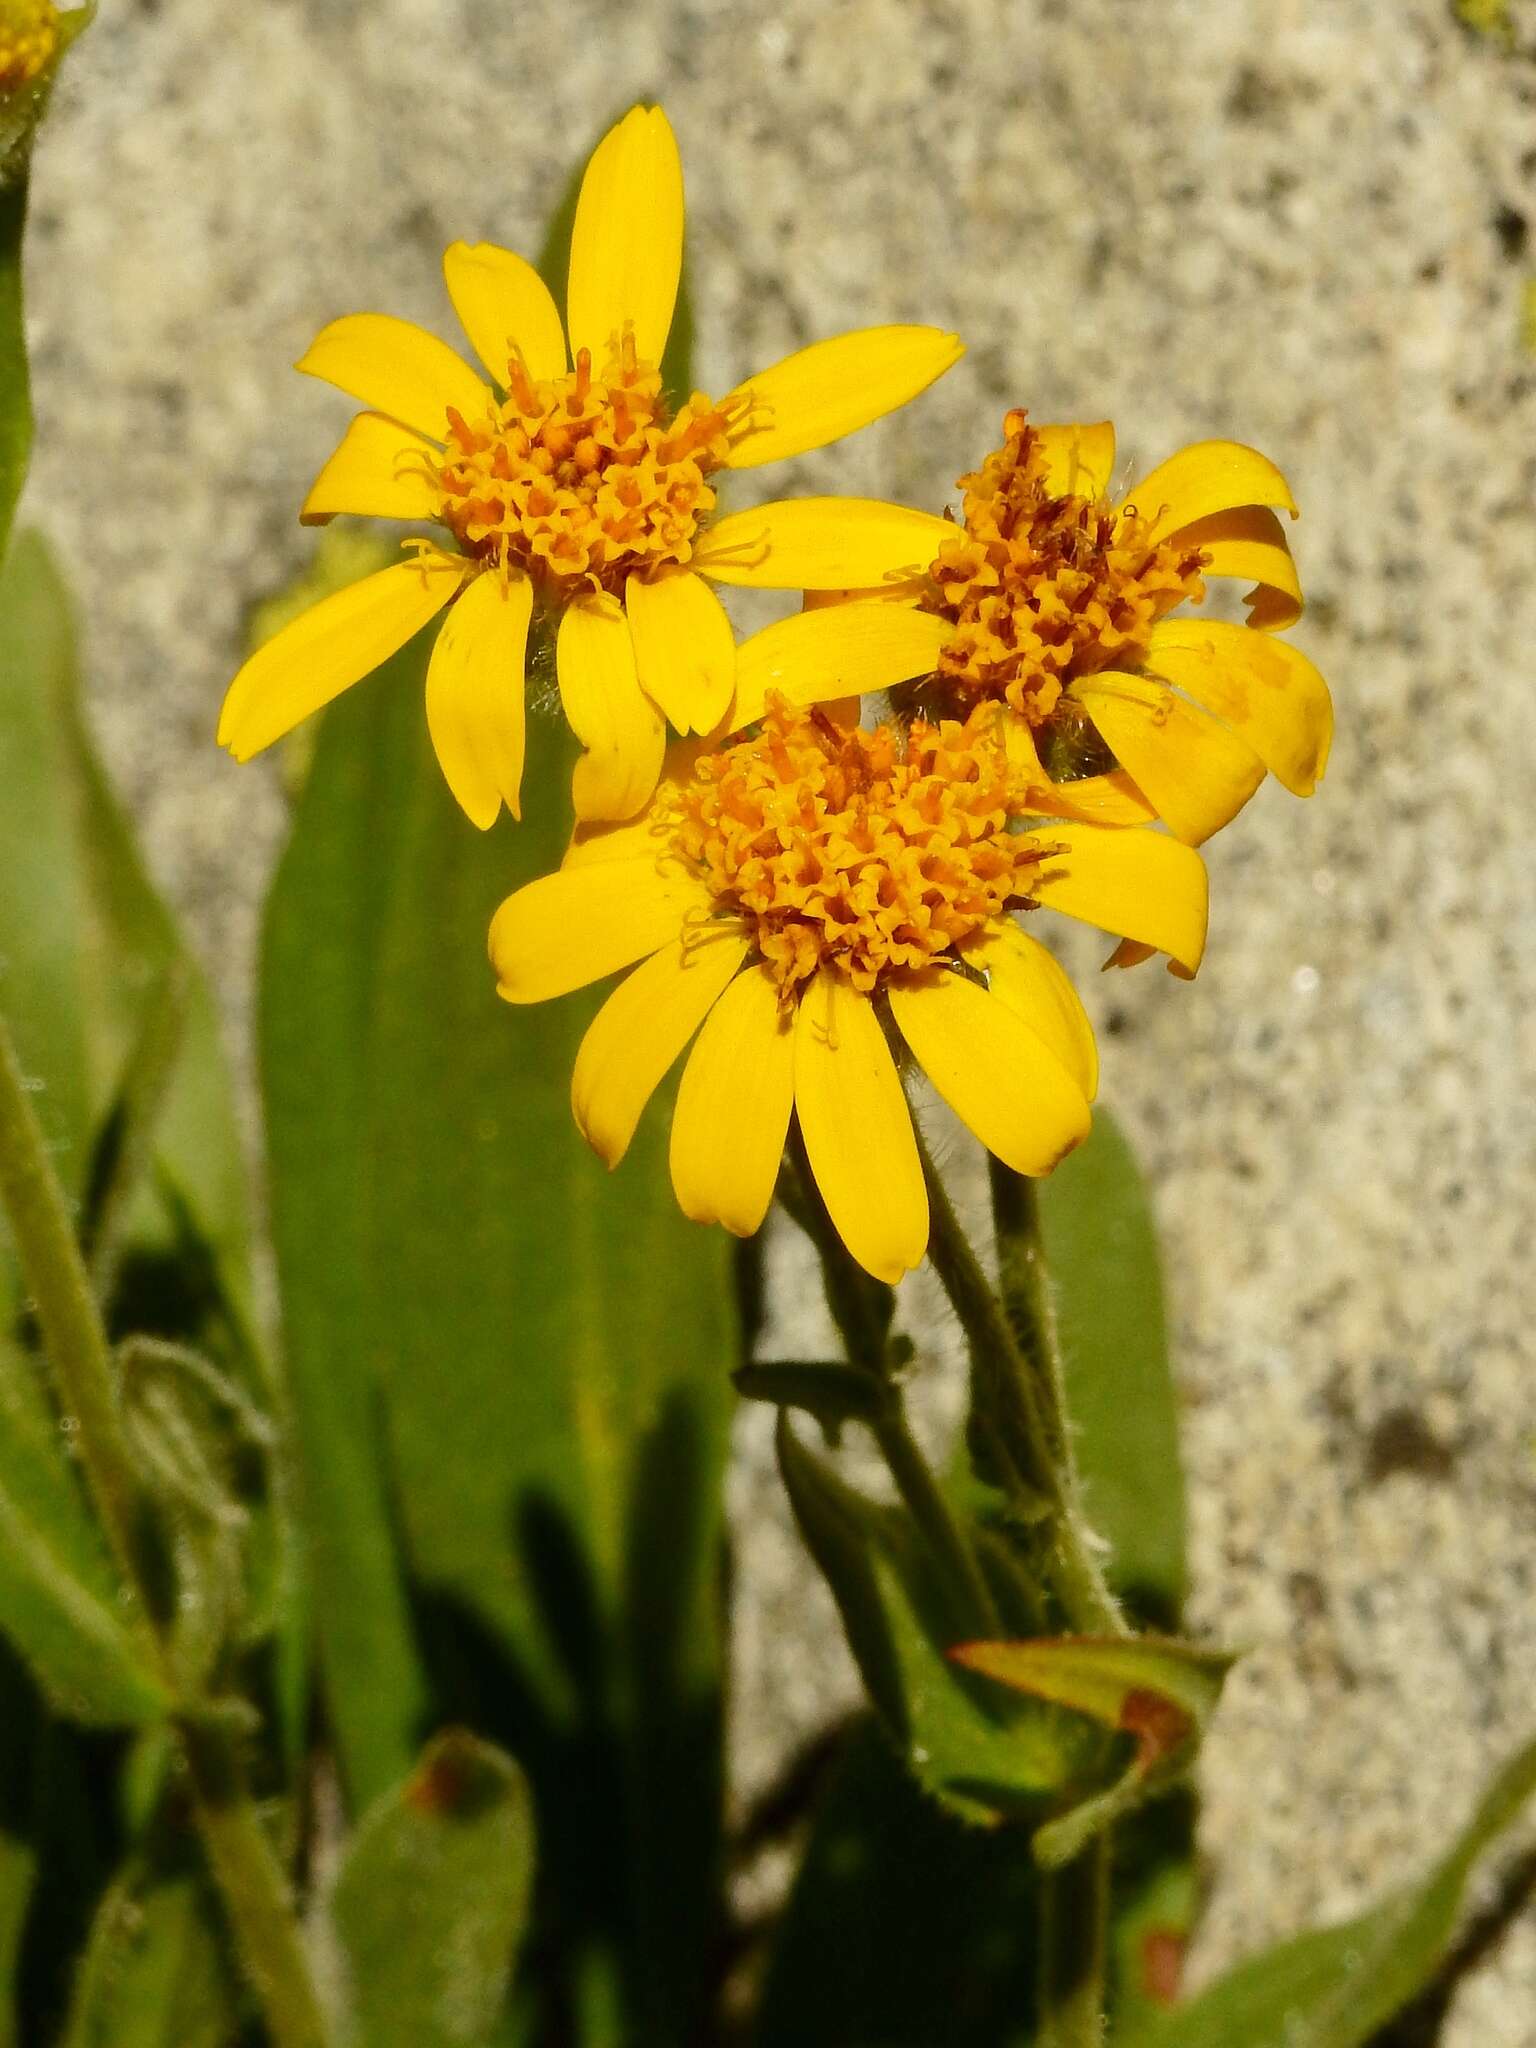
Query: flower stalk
(78, 1351)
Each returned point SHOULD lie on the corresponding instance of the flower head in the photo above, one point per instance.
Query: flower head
(805, 898)
(566, 483)
(29, 40)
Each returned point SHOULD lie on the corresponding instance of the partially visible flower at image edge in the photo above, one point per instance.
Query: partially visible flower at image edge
(29, 41)
(581, 493)
(1065, 606)
(795, 896)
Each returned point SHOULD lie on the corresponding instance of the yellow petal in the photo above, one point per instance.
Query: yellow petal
(610, 714)
(1030, 980)
(505, 308)
(999, 1077)
(1262, 687)
(904, 590)
(475, 696)
(578, 924)
(1197, 773)
(858, 1129)
(379, 471)
(1210, 476)
(827, 390)
(1079, 461)
(1248, 542)
(396, 368)
(329, 647)
(846, 651)
(1111, 799)
(733, 1106)
(651, 830)
(685, 651)
(639, 1032)
(627, 244)
(1139, 885)
(820, 544)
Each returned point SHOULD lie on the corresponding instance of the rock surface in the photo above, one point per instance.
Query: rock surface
(1300, 223)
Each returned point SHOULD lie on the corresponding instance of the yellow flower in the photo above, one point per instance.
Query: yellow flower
(29, 36)
(570, 484)
(799, 899)
(1059, 601)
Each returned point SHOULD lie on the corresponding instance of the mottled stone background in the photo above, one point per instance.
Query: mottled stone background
(1297, 222)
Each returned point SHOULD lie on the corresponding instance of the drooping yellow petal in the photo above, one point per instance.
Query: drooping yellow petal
(821, 544)
(379, 471)
(621, 729)
(475, 696)
(1197, 773)
(578, 924)
(1210, 476)
(905, 590)
(997, 1074)
(858, 1129)
(329, 647)
(1248, 542)
(845, 651)
(504, 307)
(1079, 460)
(733, 1106)
(833, 387)
(1029, 979)
(650, 831)
(685, 651)
(1262, 687)
(1111, 799)
(627, 243)
(1137, 885)
(396, 368)
(639, 1032)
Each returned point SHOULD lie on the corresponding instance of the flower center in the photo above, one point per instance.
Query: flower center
(582, 479)
(1042, 588)
(864, 851)
(29, 35)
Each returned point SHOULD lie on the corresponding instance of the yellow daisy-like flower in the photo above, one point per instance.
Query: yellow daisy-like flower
(29, 38)
(1059, 603)
(803, 898)
(569, 483)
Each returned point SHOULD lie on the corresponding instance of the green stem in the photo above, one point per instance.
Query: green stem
(861, 1308)
(1074, 1913)
(1024, 1400)
(255, 1888)
(76, 1346)
(74, 1340)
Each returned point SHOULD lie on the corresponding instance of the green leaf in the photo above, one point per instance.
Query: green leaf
(511, 1368)
(58, 1592)
(1158, 1692)
(88, 945)
(1101, 1248)
(154, 1974)
(1335, 1987)
(905, 1928)
(981, 1754)
(432, 1898)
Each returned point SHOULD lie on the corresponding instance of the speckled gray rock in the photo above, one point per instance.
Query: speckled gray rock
(1297, 222)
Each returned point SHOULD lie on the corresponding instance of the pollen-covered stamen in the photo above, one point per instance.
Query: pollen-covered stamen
(1042, 587)
(865, 851)
(584, 479)
(29, 39)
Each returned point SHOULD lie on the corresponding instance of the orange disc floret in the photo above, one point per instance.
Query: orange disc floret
(583, 480)
(866, 851)
(1042, 587)
(29, 37)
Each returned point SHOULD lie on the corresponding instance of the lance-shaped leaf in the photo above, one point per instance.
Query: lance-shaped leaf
(432, 1898)
(155, 1973)
(1336, 1987)
(58, 1593)
(983, 1755)
(1158, 1692)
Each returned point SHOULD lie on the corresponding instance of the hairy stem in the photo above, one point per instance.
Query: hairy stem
(242, 1860)
(1074, 1914)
